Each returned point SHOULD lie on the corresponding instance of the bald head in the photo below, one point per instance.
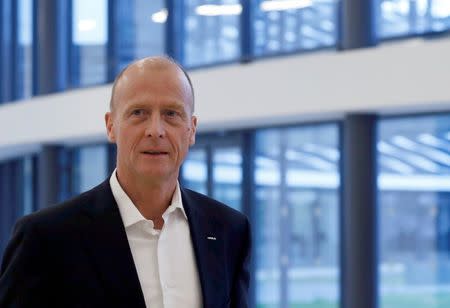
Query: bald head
(150, 64)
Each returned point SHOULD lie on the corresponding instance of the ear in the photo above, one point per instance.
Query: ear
(109, 127)
(193, 130)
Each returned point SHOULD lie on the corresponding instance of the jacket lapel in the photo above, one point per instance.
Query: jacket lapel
(107, 243)
(208, 243)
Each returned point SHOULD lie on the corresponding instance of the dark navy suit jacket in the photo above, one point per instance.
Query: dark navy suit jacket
(77, 255)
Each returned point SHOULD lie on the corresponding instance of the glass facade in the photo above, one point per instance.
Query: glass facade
(214, 167)
(99, 38)
(24, 77)
(227, 175)
(297, 217)
(194, 173)
(89, 42)
(81, 168)
(140, 29)
(414, 211)
(211, 31)
(288, 26)
(411, 17)
(90, 167)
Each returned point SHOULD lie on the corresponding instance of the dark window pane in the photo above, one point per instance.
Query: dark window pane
(414, 211)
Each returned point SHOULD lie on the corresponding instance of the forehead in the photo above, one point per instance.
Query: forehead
(150, 82)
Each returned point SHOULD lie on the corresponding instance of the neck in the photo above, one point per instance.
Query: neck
(150, 197)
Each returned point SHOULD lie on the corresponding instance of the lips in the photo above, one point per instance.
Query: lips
(155, 152)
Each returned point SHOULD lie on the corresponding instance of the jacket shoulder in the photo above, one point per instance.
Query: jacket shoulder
(64, 214)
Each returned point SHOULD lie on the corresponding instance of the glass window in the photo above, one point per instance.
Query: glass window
(140, 29)
(195, 171)
(81, 168)
(90, 167)
(214, 167)
(24, 70)
(297, 217)
(414, 211)
(286, 26)
(89, 39)
(409, 17)
(211, 31)
(227, 176)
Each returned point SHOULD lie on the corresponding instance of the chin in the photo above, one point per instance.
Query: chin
(154, 174)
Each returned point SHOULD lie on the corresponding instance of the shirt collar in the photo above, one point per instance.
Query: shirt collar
(129, 212)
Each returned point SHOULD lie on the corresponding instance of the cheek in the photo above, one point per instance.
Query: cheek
(127, 139)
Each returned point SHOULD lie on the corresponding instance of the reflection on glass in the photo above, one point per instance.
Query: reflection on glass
(24, 55)
(90, 167)
(89, 38)
(195, 171)
(296, 217)
(284, 26)
(414, 212)
(267, 246)
(140, 28)
(227, 176)
(211, 31)
(406, 17)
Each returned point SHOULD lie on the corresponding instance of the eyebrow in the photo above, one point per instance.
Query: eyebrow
(172, 105)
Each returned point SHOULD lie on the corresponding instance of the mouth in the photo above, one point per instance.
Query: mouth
(155, 153)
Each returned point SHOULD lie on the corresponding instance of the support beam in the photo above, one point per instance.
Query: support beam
(48, 174)
(358, 24)
(359, 213)
(51, 55)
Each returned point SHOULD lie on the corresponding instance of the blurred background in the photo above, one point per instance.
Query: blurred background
(327, 122)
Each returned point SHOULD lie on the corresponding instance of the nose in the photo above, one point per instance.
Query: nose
(155, 127)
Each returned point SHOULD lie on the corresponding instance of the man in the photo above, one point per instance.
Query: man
(137, 239)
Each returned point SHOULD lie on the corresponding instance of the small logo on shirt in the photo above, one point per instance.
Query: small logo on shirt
(212, 238)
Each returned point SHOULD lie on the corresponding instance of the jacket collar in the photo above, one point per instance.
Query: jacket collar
(209, 248)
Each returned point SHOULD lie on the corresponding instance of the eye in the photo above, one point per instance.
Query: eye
(171, 113)
(137, 112)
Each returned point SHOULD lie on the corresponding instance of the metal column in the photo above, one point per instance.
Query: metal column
(48, 176)
(357, 23)
(51, 54)
(359, 213)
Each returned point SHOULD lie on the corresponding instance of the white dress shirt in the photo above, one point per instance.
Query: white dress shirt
(164, 259)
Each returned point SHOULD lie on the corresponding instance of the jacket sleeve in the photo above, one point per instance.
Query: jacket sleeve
(24, 274)
(239, 295)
